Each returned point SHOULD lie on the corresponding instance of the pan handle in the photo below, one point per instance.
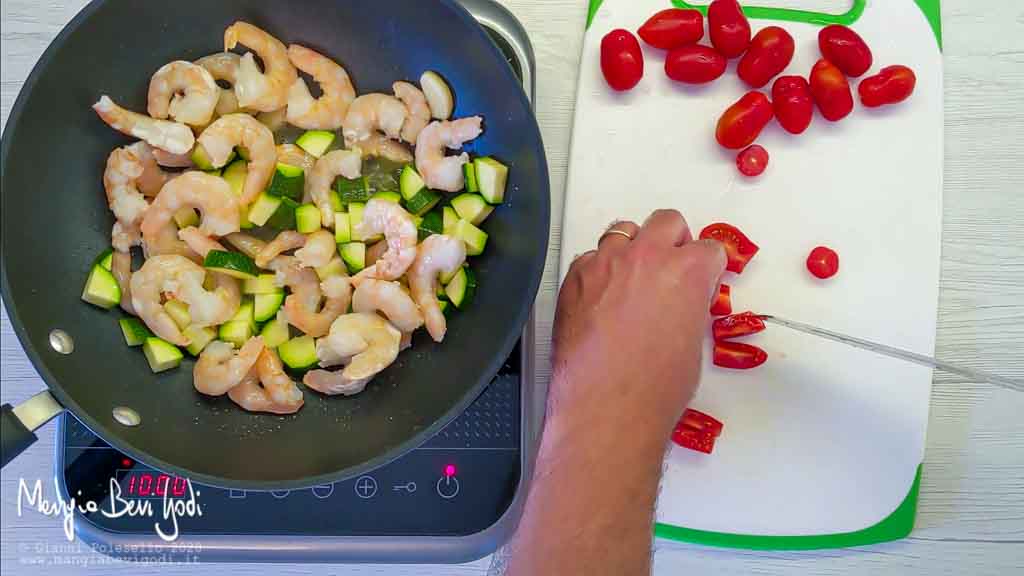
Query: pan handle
(18, 425)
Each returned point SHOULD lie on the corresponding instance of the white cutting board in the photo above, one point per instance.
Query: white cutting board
(823, 439)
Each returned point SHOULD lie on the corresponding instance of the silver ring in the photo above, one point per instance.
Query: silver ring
(626, 235)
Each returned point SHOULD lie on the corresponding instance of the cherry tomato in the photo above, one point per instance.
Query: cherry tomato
(892, 85)
(737, 326)
(823, 262)
(728, 27)
(831, 91)
(738, 247)
(742, 123)
(694, 64)
(793, 103)
(846, 49)
(738, 356)
(673, 28)
(770, 52)
(723, 301)
(752, 161)
(622, 61)
(701, 422)
(691, 439)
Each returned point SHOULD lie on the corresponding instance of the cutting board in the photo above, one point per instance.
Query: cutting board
(822, 445)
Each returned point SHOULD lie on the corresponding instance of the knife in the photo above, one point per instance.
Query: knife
(974, 375)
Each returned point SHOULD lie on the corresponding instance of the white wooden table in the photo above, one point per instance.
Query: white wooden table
(971, 517)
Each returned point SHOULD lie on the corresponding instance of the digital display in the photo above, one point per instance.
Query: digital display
(145, 484)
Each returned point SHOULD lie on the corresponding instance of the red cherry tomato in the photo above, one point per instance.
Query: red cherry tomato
(622, 62)
(673, 28)
(793, 103)
(701, 422)
(738, 247)
(737, 326)
(823, 262)
(691, 439)
(742, 123)
(770, 52)
(752, 161)
(892, 85)
(738, 356)
(728, 27)
(723, 301)
(831, 91)
(694, 64)
(846, 49)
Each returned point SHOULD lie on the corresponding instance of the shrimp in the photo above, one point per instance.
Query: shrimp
(251, 246)
(292, 155)
(183, 91)
(198, 242)
(377, 145)
(220, 368)
(419, 113)
(158, 275)
(399, 229)
(120, 180)
(210, 194)
(277, 395)
(153, 178)
(122, 237)
(121, 268)
(263, 92)
(302, 307)
(285, 241)
(227, 291)
(318, 250)
(442, 172)
(438, 254)
(372, 344)
(223, 66)
(327, 112)
(220, 139)
(390, 300)
(370, 113)
(166, 242)
(168, 160)
(347, 163)
(174, 137)
(326, 356)
(375, 251)
(274, 120)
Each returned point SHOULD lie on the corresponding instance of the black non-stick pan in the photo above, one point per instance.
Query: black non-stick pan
(55, 221)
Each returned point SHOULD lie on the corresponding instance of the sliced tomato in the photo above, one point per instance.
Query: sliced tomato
(693, 439)
(738, 247)
(701, 422)
(723, 301)
(823, 262)
(738, 356)
(737, 326)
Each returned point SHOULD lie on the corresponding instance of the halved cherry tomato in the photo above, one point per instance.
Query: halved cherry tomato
(742, 123)
(846, 49)
(728, 27)
(694, 64)
(793, 103)
(701, 422)
(738, 247)
(892, 85)
(752, 161)
(738, 356)
(723, 301)
(622, 61)
(823, 262)
(769, 53)
(831, 91)
(693, 439)
(737, 326)
(673, 28)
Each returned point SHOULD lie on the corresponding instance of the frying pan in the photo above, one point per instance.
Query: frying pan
(55, 221)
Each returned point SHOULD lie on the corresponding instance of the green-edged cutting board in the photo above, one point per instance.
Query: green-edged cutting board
(822, 445)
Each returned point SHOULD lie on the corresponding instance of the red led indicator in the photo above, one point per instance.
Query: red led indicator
(449, 470)
(126, 462)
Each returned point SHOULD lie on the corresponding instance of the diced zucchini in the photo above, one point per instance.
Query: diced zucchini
(186, 217)
(469, 171)
(462, 288)
(101, 288)
(354, 255)
(263, 208)
(243, 153)
(355, 217)
(105, 259)
(135, 332)
(449, 218)
(438, 94)
(235, 174)
(336, 267)
(162, 355)
(423, 201)
(275, 332)
(475, 238)
(336, 203)
(472, 207)
(284, 217)
(316, 142)
(265, 306)
(410, 182)
(288, 182)
(307, 218)
(262, 284)
(243, 218)
(246, 313)
(342, 228)
(387, 196)
(349, 191)
(213, 172)
(299, 353)
(445, 306)
(235, 333)
(492, 176)
(234, 264)
(432, 223)
(201, 158)
(178, 311)
(199, 337)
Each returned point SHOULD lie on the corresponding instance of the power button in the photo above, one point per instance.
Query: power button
(447, 487)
